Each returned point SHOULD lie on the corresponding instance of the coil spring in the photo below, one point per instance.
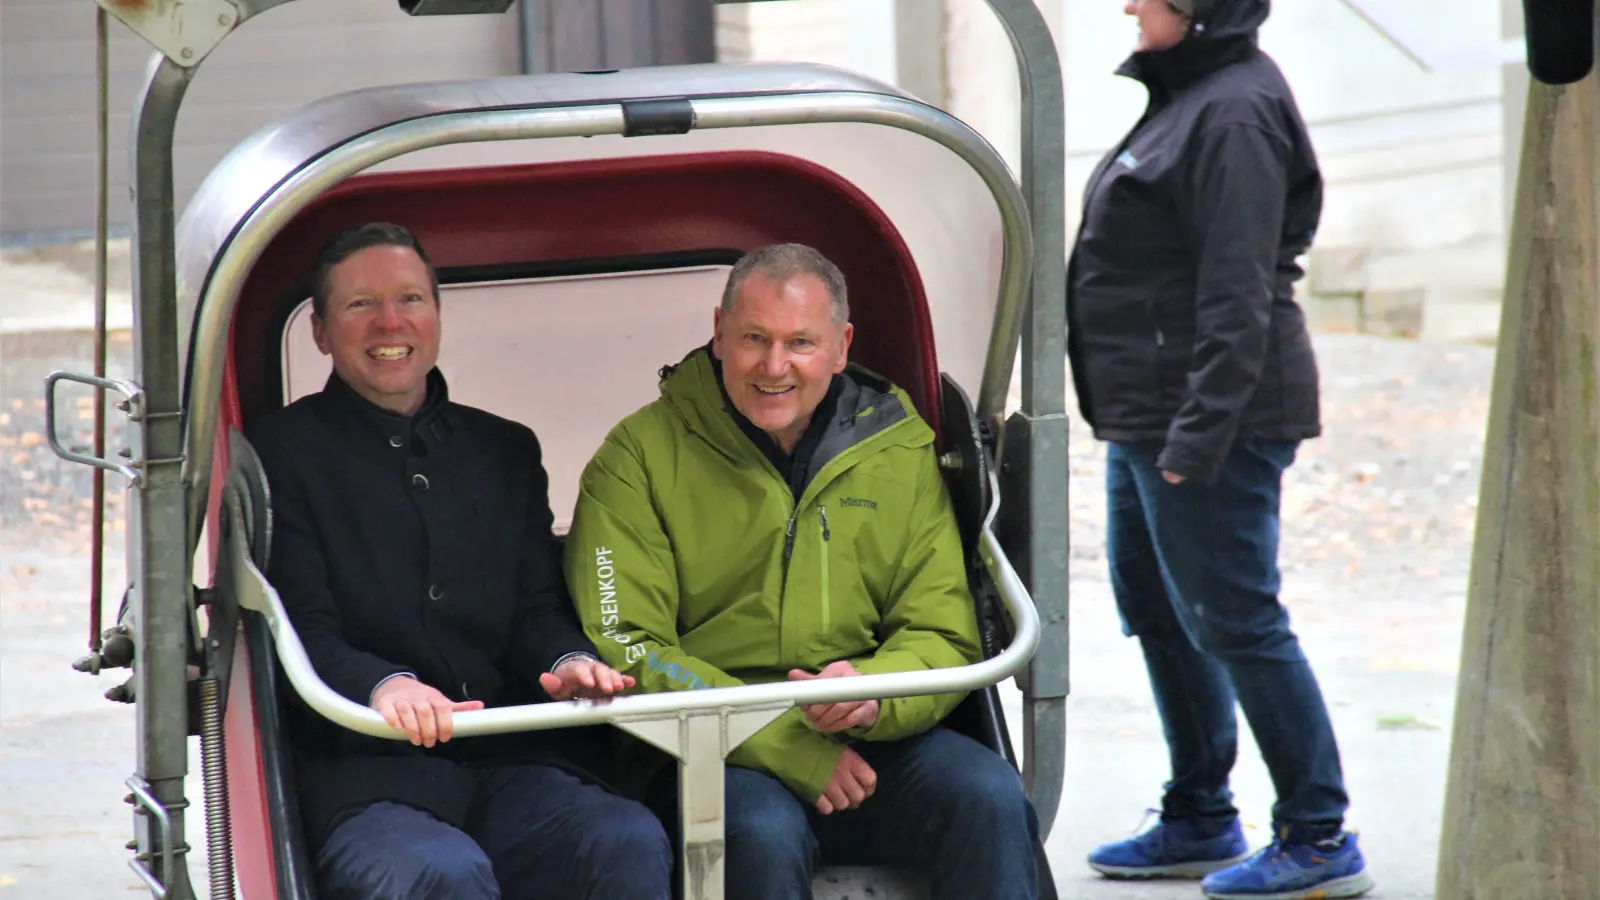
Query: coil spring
(219, 830)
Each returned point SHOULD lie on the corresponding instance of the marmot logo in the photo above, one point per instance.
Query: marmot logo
(857, 501)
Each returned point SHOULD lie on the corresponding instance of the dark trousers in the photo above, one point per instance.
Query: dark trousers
(1195, 572)
(542, 834)
(945, 805)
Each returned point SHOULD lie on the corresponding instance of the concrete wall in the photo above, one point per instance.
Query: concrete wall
(1412, 239)
(289, 56)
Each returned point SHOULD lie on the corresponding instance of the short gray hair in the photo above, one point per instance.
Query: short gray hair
(781, 262)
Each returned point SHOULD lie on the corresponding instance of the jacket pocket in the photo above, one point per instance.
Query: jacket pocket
(1166, 371)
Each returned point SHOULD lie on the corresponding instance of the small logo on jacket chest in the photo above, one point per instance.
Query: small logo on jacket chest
(857, 501)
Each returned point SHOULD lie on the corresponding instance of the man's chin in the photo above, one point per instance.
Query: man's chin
(772, 424)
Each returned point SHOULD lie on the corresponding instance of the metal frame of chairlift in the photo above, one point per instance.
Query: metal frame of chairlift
(168, 464)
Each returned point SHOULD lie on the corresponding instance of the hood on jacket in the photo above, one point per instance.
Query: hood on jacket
(1216, 20)
(1220, 32)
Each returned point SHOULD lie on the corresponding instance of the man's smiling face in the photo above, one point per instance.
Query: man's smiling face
(780, 348)
(381, 326)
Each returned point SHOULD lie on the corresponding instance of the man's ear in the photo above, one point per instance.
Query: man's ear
(716, 331)
(319, 334)
(844, 348)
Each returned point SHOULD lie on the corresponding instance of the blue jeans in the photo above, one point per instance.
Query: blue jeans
(1195, 572)
(542, 835)
(945, 805)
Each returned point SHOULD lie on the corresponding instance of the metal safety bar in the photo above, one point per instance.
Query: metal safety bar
(255, 593)
(221, 294)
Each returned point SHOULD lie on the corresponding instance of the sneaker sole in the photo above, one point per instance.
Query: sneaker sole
(1189, 871)
(1337, 889)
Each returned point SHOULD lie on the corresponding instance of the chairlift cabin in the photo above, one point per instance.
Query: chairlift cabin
(582, 226)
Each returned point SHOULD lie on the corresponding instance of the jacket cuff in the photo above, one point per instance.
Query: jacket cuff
(374, 692)
(794, 752)
(1191, 468)
(576, 654)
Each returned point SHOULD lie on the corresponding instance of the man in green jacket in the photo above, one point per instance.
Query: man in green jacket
(778, 514)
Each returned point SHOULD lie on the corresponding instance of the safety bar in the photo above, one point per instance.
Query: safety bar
(221, 293)
(256, 594)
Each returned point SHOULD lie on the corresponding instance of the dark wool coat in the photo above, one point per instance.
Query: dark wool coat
(418, 545)
(1183, 329)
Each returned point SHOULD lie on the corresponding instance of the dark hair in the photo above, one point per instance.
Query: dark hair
(351, 241)
(781, 262)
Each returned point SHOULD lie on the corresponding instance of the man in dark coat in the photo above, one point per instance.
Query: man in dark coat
(413, 551)
(1191, 358)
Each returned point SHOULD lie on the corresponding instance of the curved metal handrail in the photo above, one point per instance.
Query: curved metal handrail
(254, 592)
(240, 254)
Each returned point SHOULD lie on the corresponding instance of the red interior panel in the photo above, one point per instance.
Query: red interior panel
(253, 848)
(571, 212)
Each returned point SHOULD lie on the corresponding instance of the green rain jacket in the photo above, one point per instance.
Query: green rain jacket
(692, 566)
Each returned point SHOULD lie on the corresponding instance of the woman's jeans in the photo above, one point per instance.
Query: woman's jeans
(1195, 572)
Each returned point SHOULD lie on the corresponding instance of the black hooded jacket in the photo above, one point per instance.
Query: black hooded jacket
(1182, 324)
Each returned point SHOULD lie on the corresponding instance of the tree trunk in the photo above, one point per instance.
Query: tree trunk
(1522, 808)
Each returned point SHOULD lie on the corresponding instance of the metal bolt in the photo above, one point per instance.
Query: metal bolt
(950, 461)
(123, 405)
(125, 452)
(186, 53)
(224, 20)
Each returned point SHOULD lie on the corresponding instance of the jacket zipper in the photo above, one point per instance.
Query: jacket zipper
(827, 609)
(788, 543)
(789, 531)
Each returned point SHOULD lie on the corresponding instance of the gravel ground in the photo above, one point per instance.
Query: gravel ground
(1378, 518)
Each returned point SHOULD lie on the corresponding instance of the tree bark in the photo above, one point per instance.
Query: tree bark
(1522, 807)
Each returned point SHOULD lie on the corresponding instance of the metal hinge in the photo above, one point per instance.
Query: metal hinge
(184, 31)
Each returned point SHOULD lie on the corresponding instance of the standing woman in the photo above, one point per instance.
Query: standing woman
(1191, 359)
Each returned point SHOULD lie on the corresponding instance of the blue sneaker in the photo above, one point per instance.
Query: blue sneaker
(1171, 850)
(1282, 871)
